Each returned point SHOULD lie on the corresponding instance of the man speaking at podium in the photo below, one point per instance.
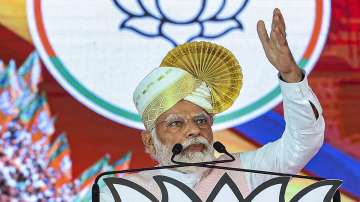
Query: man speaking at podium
(196, 81)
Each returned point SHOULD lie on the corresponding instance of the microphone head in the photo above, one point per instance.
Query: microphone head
(177, 149)
(219, 147)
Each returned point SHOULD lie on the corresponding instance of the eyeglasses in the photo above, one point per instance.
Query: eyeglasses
(175, 123)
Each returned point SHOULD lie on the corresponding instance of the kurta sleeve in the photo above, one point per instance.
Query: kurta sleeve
(301, 140)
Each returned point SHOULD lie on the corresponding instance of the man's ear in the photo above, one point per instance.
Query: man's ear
(148, 142)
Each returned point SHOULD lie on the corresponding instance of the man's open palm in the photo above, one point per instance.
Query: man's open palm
(276, 47)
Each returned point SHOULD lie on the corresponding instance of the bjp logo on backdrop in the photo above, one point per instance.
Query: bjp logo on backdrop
(99, 50)
(206, 19)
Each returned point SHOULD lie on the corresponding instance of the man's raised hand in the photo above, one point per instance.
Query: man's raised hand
(276, 48)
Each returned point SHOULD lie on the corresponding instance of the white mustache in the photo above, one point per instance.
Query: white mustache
(196, 140)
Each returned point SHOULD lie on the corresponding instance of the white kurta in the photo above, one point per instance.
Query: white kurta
(301, 140)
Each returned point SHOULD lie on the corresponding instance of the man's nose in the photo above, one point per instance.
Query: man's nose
(192, 129)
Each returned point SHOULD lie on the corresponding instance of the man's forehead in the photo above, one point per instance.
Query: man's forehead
(183, 108)
(175, 115)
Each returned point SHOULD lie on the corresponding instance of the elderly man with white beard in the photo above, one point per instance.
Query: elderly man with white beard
(178, 101)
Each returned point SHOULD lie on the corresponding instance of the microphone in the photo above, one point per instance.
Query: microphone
(177, 149)
(219, 147)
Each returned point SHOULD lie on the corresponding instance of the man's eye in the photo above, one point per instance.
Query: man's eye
(175, 124)
(201, 121)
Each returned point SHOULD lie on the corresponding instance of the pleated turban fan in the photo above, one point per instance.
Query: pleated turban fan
(203, 73)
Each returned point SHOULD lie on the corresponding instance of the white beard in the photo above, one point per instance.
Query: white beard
(164, 153)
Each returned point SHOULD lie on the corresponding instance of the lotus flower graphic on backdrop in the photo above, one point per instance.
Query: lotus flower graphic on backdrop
(181, 21)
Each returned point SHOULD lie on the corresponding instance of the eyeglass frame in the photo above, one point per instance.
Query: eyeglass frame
(174, 118)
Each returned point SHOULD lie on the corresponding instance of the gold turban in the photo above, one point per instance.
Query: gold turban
(203, 73)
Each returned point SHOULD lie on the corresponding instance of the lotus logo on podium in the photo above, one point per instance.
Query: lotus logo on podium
(152, 186)
(225, 190)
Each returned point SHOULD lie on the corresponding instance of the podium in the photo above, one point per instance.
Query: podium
(225, 190)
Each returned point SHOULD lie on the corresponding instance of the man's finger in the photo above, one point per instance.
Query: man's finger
(280, 20)
(280, 30)
(263, 35)
(274, 39)
(274, 20)
(280, 38)
(277, 40)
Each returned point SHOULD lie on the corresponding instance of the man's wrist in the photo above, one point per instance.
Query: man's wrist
(293, 76)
